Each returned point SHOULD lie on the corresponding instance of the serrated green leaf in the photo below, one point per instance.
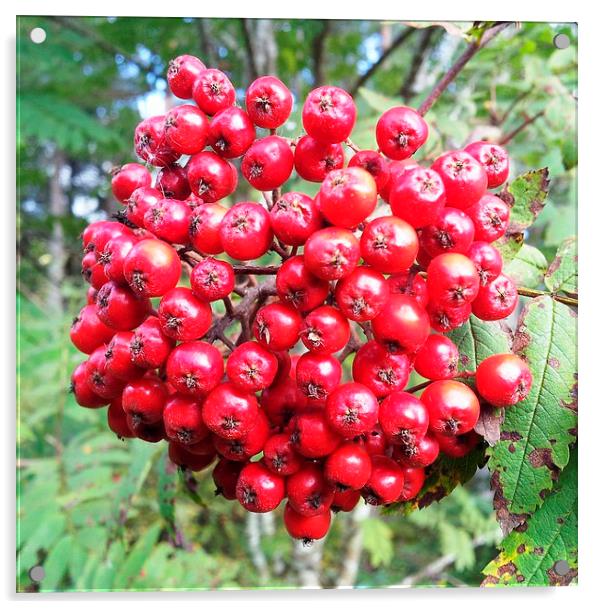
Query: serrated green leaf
(105, 574)
(527, 195)
(477, 340)
(377, 541)
(562, 274)
(528, 267)
(528, 557)
(56, 563)
(537, 432)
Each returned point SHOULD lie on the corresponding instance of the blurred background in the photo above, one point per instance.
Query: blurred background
(102, 514)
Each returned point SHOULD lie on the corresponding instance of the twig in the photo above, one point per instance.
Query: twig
(351, 347)
(229, 306)
(318, 46)
(451, 74)
(417, 61)
(253, 73)
(249, 269)
(523, 125)
(351, 145)
(567, 300)
(459, 377)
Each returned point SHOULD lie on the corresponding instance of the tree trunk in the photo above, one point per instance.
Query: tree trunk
(308, 563)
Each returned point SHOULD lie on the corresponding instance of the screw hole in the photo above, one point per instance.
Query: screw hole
(561, 567)
(561, 41)
(37, 573)
(37, 35)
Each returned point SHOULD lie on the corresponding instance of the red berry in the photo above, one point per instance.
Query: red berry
(487, 260)
(98, 234)
(277, 326)
(113, 256)
(317, 376)
(438, 358)
(308, 492)
(464, 178)
(410, 284)
(182, 316)
(144, 400)
(307, 528)
(444, 318)
(268, 102)
(385, 483)
(402, 325)
(314, 160)
(117, 420)
(119, 358)
(400, 132)
(152, 268)
(230, 412)
(279, 455)
(375, 164)
(127, 178)
(212, 279)
(382, 372)
(352, 409)
(325, 330)
(282, 400)
(187, 459)
(494, 159)
(245, 231)
(150, 143)
(212, 91)
(251, 367)
(82, 388)
(362, 295)
(403, 418)
(332, 253)
(312, 436)
(268, 163)
(413, 481)
(231, 133)
(258, 489)
(503, 379)
(181, 74)
(389, 244)
(169, 220)
(140, 201)
(88, 332)
(172, 182)
(251, 444)
(396, 170)
(149, 347)
(453, 231)
(148, 433)
(119, 308)
(496, 300)
(349, 466)
(99, 378)
(295, 217)
(457, 447)
(329, 114)
(186, 129)
(490, 216)
(211, 178)
(345, 501)
(194, 368)
(452, 406)
(373, 441)
(347, 196)
(421, 454)
(452, 280)
(205, 221)
(417, 196)
(225, 476)
(298, 287)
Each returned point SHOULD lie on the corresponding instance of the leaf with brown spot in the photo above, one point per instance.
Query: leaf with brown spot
(488, 425)
(561, 275)
(529, 192)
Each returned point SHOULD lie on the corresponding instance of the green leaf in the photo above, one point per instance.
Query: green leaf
(136, 558)
(528, 557)
(55, 565)
(537, 432)
(477, 340)
(562, 274)
(528, 267)
(509, 245)
(527, 196)
(377, 101)
(168, 479)
(49, 531)
(378, 541)
(457, 542)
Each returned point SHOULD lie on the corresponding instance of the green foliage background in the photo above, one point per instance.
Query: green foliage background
(101, 514)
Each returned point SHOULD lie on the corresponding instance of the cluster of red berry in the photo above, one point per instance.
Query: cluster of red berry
(323, 443)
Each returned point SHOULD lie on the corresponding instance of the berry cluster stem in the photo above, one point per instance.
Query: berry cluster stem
(530, 293)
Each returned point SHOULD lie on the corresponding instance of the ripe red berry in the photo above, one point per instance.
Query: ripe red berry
(317, 376)
(385, 483)
(182, 316)
(245, 231)
(373, 441)
(352, 409)
(400, 132)
(382, 372)
(88, 332)
(140, 201)
(437, 359)
(503, 379)
(453, 231)
(225, 476)
(490, 216)
(152, 268)
(148, 433)
(413, 481)
(194, 368)
(345, 501)
(169, 220)
(362, 295)
(298, 287)
(231, 133)
(307, 528)
(396, 170)
(251, 444)
(410, 284)
(464, 178)
(99, 378)
(212, 91)
(375, 164)
(312, 436)
(181, 74)
(119, 308)
(314, 160)
(325, 330)
(117, 420)
(329, 114)
(347, 196)
(98, 234)
(496, 300)
(279, 455)
(417, 196)
(251, 367)
(332, 253)
(269, 102)
(150, 143)
(308, 492)
(457, 447)
(172, 182)
(144, 400)
(258, 489)
(119, 358)
(211, 178)
(112, 258)
(282, 400)
(494, 159)
(149, 347)
(82, 388)
(402, 325)
(421, 454)
(186, 129)
(452, 406)
(487, 260)
(127, 178)
(268, 163)
(452, 280)
(212, 279)
(295, 217)
(229, 411)
(389, 244)
(403, 418)
(277, 326)
(186, 459)
(205, 221)
(444, 318)
(349, 466)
